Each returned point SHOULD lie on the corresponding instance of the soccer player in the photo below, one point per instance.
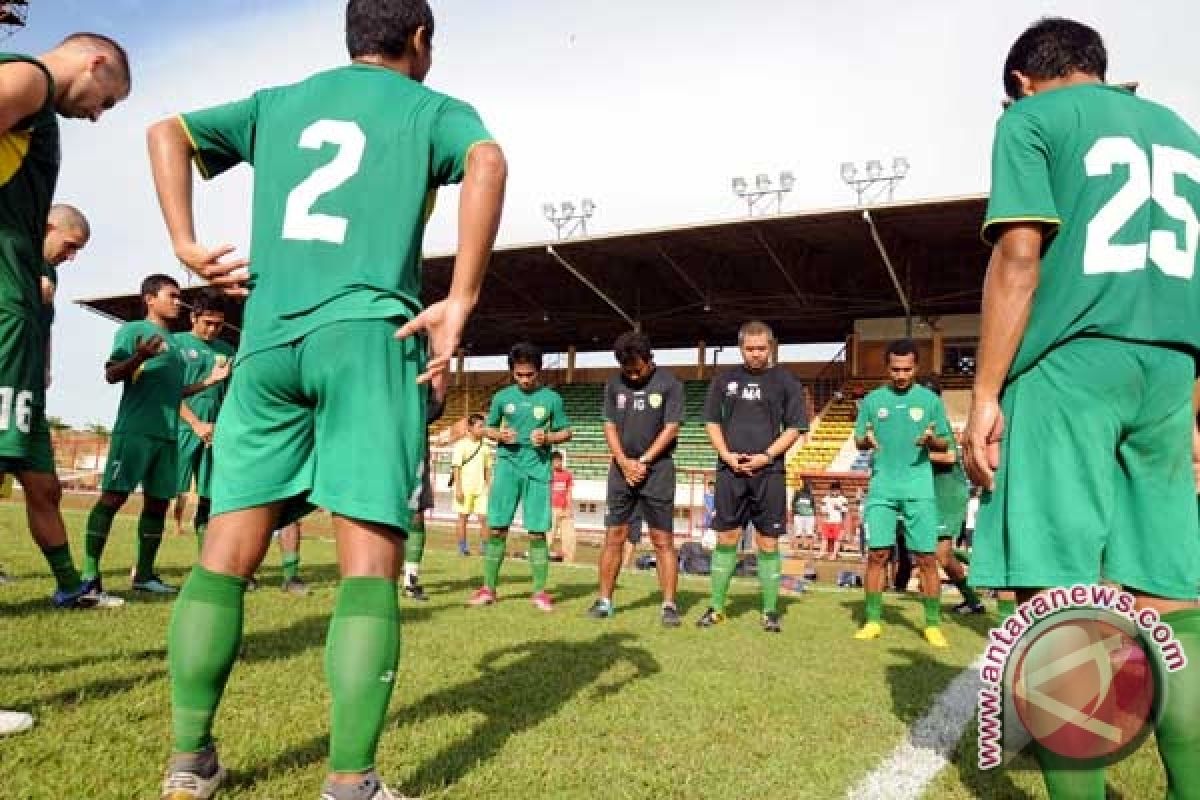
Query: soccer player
(1081, 419)
(471, 474)
(414, 542)
(149, 363)
(81, 78)
(804, 519)
(753, 415)
(525, 420)
(201, 349)
(951, 492)
(643, 409)
(326, 405)
(903, 423)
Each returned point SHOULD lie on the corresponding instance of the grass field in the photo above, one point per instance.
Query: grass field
(501, 702)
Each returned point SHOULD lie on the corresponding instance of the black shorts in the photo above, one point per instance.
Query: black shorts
(653, 499)
(759, 499)
(425, 498)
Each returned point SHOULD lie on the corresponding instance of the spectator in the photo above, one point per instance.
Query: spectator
(562, 483)
(804, 520)
(710, 505)
(833, 510)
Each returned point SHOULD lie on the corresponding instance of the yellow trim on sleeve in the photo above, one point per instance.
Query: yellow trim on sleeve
(196, 159)
(987, 223)
(472, 147)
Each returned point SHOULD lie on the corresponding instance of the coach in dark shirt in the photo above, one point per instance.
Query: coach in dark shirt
(643, 409)
(754, 414)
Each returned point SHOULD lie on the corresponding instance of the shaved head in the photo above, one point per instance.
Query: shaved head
(99, 43)
(65, 217)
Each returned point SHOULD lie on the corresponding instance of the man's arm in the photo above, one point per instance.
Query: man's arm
(1008, 289)
(717, 437)
(171, 154)
(143, 351)
(23, 88)
(864, 438)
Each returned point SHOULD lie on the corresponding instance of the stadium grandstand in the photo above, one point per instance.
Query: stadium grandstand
(855, 276)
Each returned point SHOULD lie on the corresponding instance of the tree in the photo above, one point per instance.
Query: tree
(99, 429)
(57, 424)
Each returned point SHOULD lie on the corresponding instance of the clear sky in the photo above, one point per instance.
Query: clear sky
(649, 108)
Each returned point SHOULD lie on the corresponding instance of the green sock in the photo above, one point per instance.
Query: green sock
(874, 606)
(1065, 779)
(967, 592)
(149, 539)
(1006, 608)
(1178, 732)
(99, 523)
(769, 570)
(202, 644)
(414, 545)
(539, 561)
(291, 566)
(933, 611)
(493, 557)
(361, 654)
(63, 566)
(724, 561)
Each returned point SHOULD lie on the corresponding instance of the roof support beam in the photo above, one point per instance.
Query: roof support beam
(887, 262)
(595, 290)
(800, 298)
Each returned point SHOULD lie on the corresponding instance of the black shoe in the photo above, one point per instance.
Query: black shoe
(711, 618)
(670, 617)
(415, 591)
(770, 622)
(967, 608)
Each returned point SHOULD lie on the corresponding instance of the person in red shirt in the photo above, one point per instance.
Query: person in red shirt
(562, 482)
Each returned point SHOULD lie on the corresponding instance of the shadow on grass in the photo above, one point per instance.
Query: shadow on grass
(891, 611)
(518, 688)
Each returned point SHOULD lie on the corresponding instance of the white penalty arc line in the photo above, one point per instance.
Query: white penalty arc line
(930, 743)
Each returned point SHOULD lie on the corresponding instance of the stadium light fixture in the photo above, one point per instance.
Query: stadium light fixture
(878, 185)
(567, 219)
(767, 195)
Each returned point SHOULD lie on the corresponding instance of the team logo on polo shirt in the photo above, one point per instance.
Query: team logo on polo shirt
(192, 354)
(732, 388)
(883, 413)
(511, 408)
(620, 402)
(539, 412)
(655, 400)
(917, 414)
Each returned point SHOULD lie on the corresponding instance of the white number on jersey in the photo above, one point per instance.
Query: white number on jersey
(1100, 255)
(23, 408)
(298, 220)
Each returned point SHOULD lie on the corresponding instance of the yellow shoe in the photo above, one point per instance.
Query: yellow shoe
(935, 637)
(871, 630)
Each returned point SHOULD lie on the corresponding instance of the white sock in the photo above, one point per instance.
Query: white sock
(412, 571)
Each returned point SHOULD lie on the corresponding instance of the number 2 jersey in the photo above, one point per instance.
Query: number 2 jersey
(345, 163)
(1116, 180)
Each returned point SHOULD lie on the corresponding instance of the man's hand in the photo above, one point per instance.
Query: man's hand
(981, 441)
(203, 431)
(228, 276)
(733, 461)
(538, 437)
(633, 470)
(755, 463)
(508, 436)
(925, 438)
(459, 497)
(220, 372)
(148, 348)
(442, 323)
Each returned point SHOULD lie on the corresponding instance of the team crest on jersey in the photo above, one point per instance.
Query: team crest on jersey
(510, 409)
(539, 412)
(883, 413)
(917, 414)
(732, 388)
(655, 400)
(620, 402)
(192, 354)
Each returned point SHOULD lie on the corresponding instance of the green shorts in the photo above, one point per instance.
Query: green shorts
(512, 487)
(194, 461)
(134, 458)
(952, 512)
(335, 419)
(24, 435)
(1095, 476)
(920, 518)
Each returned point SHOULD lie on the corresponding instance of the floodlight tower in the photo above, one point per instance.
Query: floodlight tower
(567, 219)
(876, 185)
(767, 196)
(12, 17)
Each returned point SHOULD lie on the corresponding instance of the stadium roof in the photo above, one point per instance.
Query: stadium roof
(809, 274)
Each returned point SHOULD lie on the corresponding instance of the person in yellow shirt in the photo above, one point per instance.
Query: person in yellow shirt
(471, 473)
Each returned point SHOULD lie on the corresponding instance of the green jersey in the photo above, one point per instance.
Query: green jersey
(901, 468)
(150, 397)
(950, 483)
(29, 159)
(199, 358)
(345, 167)
(1118, 179)
(524, 412)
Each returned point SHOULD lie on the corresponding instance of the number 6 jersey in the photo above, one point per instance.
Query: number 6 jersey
(345, 166)
(1116, 180)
